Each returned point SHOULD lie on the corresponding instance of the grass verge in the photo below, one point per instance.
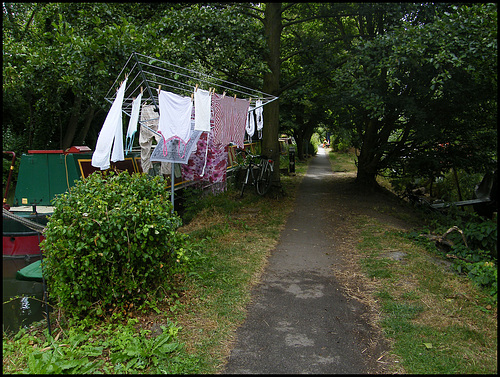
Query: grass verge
(192, 330)
(437, 321)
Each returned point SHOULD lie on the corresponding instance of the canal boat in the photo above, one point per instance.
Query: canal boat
(43, 174)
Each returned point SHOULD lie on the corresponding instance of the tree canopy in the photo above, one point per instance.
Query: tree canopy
(421, 85)
(413, 84)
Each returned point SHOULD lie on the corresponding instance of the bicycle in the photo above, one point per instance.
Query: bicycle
(258, 174)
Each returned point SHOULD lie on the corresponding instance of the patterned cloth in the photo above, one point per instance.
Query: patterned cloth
(175, 118)
(230, 115)
(211, 159)
(174, 152)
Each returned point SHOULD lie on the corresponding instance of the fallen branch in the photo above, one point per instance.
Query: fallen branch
(451, 256)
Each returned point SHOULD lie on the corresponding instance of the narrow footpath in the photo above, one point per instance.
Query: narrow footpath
(299, 320)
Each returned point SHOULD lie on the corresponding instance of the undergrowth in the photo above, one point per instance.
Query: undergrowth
(187, 331)
(470, 243)
(436, 319)
(109, 348)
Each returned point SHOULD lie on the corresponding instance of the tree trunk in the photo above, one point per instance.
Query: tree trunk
(300, 145)
(366, 176)
(89, 116)
(270, 133)
(69, 135)
(307, 138)
(367, 159)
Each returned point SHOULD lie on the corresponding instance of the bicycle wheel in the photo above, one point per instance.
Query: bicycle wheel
(264, 178)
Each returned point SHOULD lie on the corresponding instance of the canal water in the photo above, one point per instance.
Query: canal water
(22, 300)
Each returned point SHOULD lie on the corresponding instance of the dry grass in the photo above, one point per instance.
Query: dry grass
(454, 315)
(241, 241)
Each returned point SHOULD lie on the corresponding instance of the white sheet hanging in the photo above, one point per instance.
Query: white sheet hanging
(111, 134)
(202, 107)
(132, 125)
(175, 117)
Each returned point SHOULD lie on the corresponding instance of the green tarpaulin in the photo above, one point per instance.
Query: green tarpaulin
(32, 271)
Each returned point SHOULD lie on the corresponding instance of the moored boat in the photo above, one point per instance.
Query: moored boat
(32, 272)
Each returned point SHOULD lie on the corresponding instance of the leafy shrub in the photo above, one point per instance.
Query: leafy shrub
(477, 258)
(480, 234)
(341, 146)
(483, 274)
(446, 187)
(112, 241)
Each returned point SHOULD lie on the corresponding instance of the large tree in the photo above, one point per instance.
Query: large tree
(59, 60)
(390, 73)
(424, 84)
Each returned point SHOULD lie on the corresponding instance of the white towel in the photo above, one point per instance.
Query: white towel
(111, 134)
(175, 116)
(132, 124)
(202, 106)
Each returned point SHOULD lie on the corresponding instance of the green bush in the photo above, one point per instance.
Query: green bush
(341, 146)
(477, 256)
(446, 187)
(112, 241)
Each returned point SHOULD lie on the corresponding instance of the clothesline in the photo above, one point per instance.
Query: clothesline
(143, 76)
(148, 73)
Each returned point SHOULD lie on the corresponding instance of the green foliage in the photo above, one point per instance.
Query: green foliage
(112, 241)
(313, 144)
(80, 350)
(481, 235)
(423, 96)
(340, 146)
(60, 59)
(16, 144)
(444, 186)
(477, 256)
(484, 274)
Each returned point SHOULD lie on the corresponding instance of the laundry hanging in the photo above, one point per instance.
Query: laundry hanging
(202, 106)
(132, 125)
(208, 163)
(111, 134)
(239, 118)
(230, 116)
(147, 72)
(170, 151)
(259, 119)
(250, 124)
(149, 123)
(175, 118)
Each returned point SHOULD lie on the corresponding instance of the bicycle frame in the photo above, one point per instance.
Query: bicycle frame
(258, 174)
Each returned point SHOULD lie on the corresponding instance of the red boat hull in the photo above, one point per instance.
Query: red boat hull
(20, 245)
